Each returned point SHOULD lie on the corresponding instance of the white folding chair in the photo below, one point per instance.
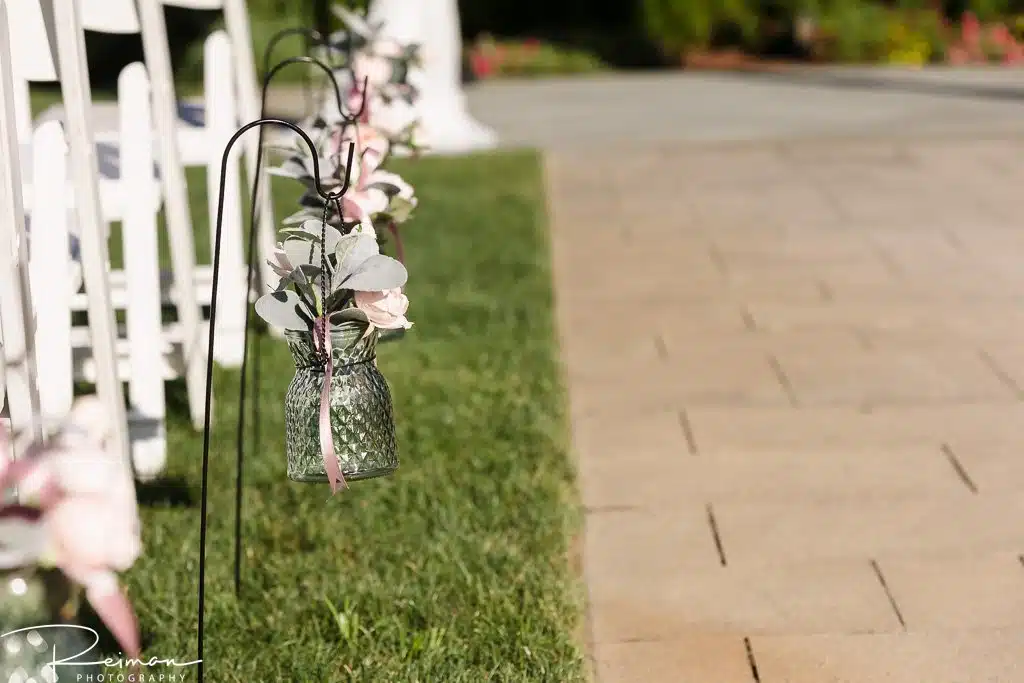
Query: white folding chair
(142, 347)
(238, 89)
(191, 283)
(63, 38)
(247, 94)
(188, 143)
(71, 353)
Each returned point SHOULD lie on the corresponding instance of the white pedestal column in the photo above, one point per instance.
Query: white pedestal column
(446, 125)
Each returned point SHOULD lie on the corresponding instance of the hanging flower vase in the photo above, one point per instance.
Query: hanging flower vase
(390, 335)
(37, 621)
(362, 424)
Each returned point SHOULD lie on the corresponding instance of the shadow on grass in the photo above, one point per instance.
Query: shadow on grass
(170, 492)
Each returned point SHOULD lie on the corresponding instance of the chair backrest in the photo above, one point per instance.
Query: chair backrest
(32, 44)
(32, 58)
(200, 4)
(109, 16)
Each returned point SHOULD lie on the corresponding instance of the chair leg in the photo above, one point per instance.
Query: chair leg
(236, 21)
(176, 207)
(50, 269)
(15, 315)
(221, 121)
(142, 276)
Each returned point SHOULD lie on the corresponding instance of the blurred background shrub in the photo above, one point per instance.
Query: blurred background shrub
(572, 36)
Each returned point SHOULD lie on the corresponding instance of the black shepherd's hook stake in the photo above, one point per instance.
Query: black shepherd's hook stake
(334, 196)
(313, 38)
(311, 34)
(339, 99)
(253, 209)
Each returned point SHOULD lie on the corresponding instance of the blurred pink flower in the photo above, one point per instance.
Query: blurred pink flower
(482, 66)
(1000, 35)
(88, 518)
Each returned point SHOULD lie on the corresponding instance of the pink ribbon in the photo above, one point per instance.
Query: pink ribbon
(116, 612)
(322, 340)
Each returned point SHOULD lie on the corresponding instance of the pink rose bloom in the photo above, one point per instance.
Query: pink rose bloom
(386, 309)
(377, 69)
(371, 145)
(387, 47)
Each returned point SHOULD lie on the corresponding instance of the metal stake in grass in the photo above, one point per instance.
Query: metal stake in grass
(335, 197)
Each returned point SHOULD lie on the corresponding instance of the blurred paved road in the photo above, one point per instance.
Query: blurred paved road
(796, 377)
(563, 113)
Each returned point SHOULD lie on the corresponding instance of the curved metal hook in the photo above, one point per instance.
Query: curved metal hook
(362, 100)
(334, 196)
(349, 118)
(310, 34)
(306, 60)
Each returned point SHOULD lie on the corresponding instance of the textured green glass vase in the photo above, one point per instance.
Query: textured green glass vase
(362, 420)
(31, 599)
(391, 335)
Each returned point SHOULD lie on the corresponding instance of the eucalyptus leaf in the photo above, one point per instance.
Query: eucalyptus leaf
(292, 222)
(351, 252)
(315, 227)
(353, 21)
(294, 232)
(283, 309)
(311, 200)
(348, 315)
(291, 168)
(388, 188)
(377, 273)
(401, 208)
(303, 279)
(337, 299)
(307, 274)
(302, 252)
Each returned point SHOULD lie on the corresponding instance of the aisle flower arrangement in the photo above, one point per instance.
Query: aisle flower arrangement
(338, 295)
(376, 74)
(73, 529)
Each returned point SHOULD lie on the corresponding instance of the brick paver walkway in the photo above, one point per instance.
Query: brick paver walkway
(796, 375)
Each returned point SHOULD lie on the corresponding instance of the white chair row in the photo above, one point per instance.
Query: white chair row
(143, 351)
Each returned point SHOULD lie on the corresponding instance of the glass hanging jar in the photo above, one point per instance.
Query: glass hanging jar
(390, 335)
(37, 623)
(361, 417)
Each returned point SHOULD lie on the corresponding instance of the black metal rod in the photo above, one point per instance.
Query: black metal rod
(313, 37)
(334, 196)
(251, 263)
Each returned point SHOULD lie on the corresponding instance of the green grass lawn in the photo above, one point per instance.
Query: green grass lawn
(455, 569)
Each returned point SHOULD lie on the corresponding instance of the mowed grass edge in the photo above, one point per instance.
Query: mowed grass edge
(456, 568)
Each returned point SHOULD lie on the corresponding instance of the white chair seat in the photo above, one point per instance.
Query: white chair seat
(114, 194)
(193, 139)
